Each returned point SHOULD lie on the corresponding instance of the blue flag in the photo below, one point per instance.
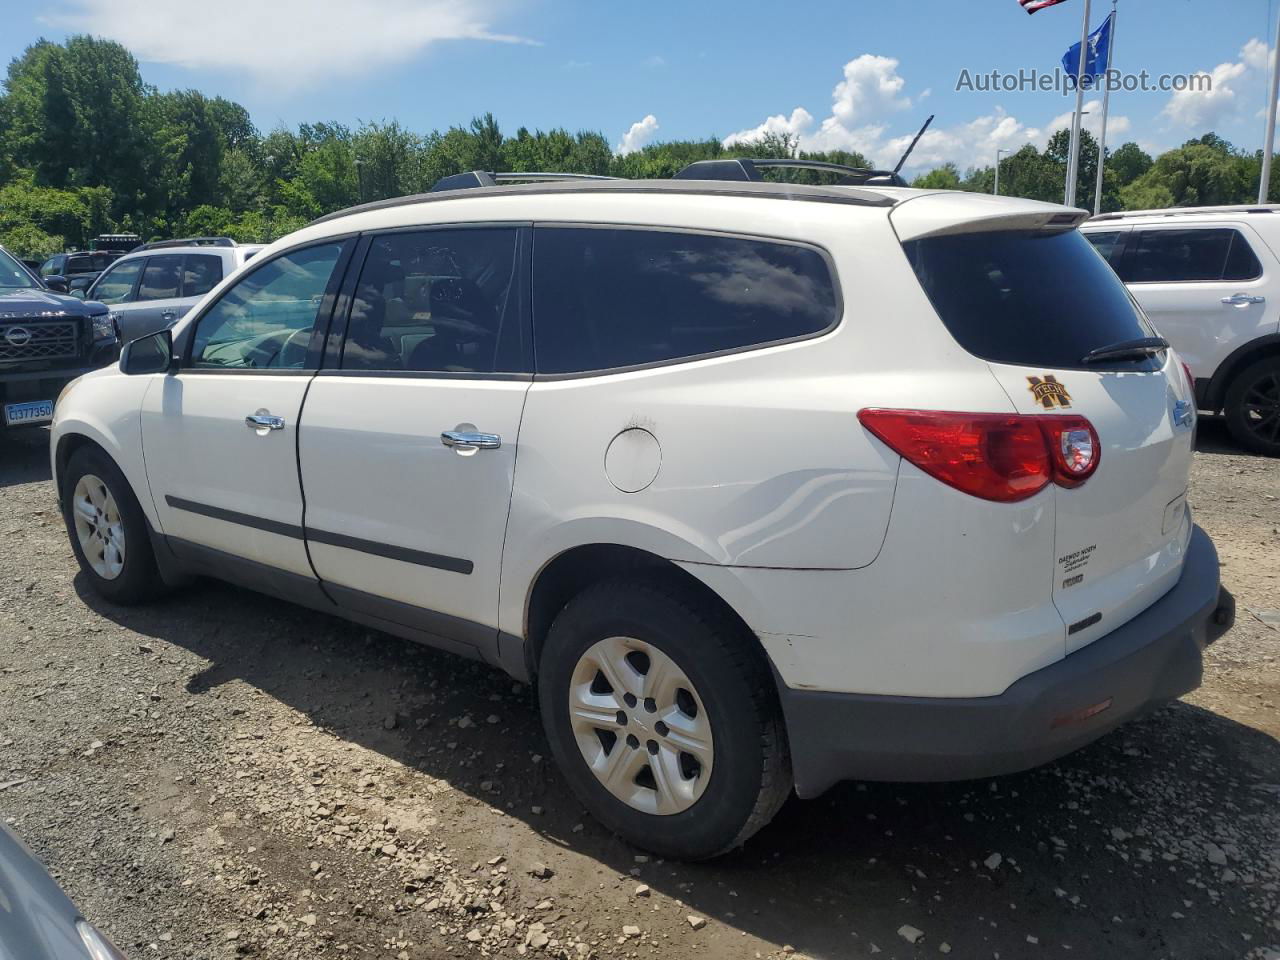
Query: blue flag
(1098, 58)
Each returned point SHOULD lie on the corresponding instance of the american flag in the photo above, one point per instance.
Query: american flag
(1031, 6)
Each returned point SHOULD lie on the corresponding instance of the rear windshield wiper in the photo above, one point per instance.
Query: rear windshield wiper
(1127, 350)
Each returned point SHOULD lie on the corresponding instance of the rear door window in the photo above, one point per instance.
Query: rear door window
(1107, 243)
(608, 298)
(438, 301)
(162, 278)
(200, 274)
(1182, 256)
(1027, 297)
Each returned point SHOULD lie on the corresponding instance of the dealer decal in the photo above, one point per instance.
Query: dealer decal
(1049, 393)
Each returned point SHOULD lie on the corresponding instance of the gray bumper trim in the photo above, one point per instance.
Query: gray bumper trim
(1154, 658)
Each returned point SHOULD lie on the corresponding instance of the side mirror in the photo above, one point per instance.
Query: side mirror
(152, 354)
(56, 283)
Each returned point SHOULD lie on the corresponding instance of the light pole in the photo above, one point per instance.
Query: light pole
(996, 190)
(360, 178)
(1264, 183)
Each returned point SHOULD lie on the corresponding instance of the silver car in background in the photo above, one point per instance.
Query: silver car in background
(37, 920)
(154, 285)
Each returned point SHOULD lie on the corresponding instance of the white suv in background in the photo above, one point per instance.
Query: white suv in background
(154, 285)
(763, 486)
(1209, 280)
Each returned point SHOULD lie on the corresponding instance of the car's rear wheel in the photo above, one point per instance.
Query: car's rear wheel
(663, 718)
(1252, 407)
(108, 530)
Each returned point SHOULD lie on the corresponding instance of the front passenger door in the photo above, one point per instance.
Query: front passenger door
(220, 434)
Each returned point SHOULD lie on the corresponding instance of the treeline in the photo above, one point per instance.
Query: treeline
(86, 147)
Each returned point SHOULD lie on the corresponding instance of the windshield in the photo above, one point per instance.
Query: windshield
(1028, 297)
(14, 275)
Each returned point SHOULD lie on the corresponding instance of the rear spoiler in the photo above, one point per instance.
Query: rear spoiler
(952, 211)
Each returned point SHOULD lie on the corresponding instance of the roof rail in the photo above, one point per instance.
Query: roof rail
(1180, 211)
(188, 242)
(483, 178)
(748, 168)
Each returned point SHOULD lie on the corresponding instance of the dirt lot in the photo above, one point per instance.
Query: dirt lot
(224, 775)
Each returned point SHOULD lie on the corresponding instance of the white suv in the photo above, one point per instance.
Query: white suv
(1203, 276)
(763, 485)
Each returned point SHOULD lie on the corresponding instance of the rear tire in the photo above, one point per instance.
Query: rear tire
(1252, 407)
(691, 789)
(108, 531)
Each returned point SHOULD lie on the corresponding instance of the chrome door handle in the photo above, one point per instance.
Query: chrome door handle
(470, 440)
(1240, 299)
(262, 422)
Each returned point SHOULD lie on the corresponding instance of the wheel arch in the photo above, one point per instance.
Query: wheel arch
(575, 569)
(1236, 361)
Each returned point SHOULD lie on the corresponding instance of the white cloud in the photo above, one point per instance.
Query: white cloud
(640, 133)
(1117, 125)
(796, 124)
(872, 90)
(1204, 109)
(287, 43)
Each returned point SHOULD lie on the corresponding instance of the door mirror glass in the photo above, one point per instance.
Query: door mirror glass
(56, 283)
(153, 354)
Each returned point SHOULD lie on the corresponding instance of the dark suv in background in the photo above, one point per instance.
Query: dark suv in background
(47, 339)
(80, 269)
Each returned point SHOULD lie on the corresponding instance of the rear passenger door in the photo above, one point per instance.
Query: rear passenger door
(1204, 287)
(409, 436)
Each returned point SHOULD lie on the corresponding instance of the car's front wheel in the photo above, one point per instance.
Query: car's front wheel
(108, 530)
(663, 718)
(1252, 407)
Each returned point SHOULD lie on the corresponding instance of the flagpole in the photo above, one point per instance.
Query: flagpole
(1073, 158)
(1106, 103)
(1264, 183)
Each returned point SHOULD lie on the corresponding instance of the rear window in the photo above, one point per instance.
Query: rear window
(606, 298)
(1027, 297)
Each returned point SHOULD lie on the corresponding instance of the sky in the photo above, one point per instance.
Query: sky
(852, 74)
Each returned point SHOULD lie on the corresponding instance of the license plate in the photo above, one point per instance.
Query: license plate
(37, 411)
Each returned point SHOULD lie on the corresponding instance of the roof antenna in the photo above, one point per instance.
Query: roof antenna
(913, 145)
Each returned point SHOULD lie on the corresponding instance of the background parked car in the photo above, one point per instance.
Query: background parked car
(1203, 275)
(155, 285)
(37, 920)
(80, 269)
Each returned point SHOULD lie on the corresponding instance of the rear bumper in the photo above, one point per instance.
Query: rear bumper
(1154, 658)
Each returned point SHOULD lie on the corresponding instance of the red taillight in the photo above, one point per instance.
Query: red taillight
(995, 456)
(1191, 381)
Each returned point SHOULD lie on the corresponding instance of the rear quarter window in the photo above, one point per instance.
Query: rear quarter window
(1027, 297)
(609, 298)
(1184, 256)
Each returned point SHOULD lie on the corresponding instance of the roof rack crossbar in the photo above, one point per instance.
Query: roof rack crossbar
(748, 168)
(486, 178)
(189, 242)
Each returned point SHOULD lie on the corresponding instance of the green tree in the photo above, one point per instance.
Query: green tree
(945, 177)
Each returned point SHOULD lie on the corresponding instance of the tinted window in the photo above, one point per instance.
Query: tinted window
(437, 301)
(52, 266)
(162, 278)
(617, 298)
(82, 264)
(1105, 243)
(116, 284)
(1172, 256)
(14, 274)
(1025, 297)
(267, 318)
(200, 274)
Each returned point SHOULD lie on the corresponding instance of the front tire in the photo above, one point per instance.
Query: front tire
(1252, 407)
(664, 718)
(108, 530)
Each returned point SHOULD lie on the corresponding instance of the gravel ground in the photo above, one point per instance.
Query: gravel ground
(222, 775)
